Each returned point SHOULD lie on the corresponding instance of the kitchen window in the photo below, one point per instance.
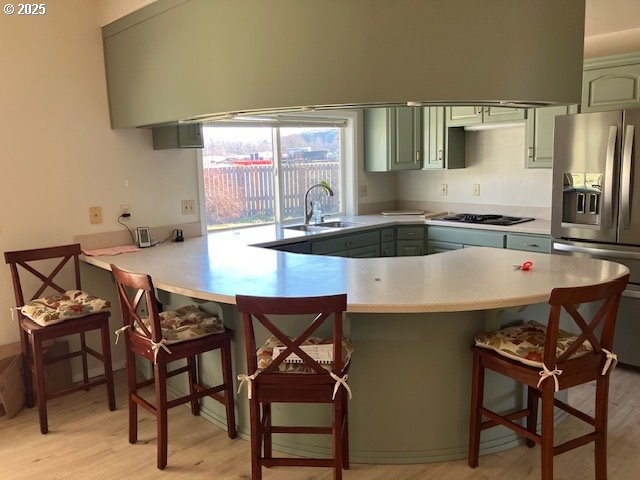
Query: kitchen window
(255, 174)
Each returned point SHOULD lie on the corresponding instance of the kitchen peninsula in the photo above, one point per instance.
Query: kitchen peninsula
(412, 320)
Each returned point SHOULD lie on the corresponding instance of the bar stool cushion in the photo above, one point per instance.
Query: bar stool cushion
(265, 355)
(525, 343)
(60, 307)
(187, 323)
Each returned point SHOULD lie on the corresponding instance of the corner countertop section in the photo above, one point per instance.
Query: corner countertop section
(272, 235)
(220, 265)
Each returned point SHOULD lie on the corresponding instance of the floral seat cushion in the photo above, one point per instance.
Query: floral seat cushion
(265, 355)
(525, 343)
(187, 323)
(60, 307)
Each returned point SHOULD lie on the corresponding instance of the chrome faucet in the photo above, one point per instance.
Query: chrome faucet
(308, 205)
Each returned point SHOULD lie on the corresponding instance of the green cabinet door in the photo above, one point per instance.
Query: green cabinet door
(409, 248)
(392, 139)
(529, 243)
(467, 116)
(462, 116)
(503, 114)
(443, 147)
(539, 135)
(611, 83)
(178, 136)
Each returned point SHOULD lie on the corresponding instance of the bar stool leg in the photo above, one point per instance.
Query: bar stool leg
(547, 430)
(227, 378)
(160, 370)
(41, 390)
(532, 417)
(85, 366)
(106, 360)
(477, 393)
(193, 379)
(601, 409)
(27, 364)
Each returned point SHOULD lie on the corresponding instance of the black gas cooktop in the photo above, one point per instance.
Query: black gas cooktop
(483, 219)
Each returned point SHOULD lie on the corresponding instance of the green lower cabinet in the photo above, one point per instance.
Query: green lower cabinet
(438, 247)
(388, 249)
(409, 248)
(466, 237)
(353, 245)
(372, 251)
(529, 243)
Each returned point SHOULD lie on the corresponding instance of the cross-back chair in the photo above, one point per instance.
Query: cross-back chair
(548, 359)
(273, 378)
(66, 312)
(151, 337)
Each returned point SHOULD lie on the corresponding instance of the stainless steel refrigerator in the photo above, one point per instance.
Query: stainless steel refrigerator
(596, 203)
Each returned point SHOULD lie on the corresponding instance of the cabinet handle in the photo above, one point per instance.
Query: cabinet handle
(410, 234)
(440, 154)
(534, 245)
(530, 151)
(418, 155)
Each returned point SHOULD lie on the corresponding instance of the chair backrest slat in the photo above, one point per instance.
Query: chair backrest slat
(24, 259)
(325, 307)
(567, 299)
(133, 288)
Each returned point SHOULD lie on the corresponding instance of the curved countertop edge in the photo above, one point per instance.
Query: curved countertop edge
(213, 268)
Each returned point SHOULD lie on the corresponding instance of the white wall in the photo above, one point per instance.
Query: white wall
(495, 161)
(58, 153)
(111, 10)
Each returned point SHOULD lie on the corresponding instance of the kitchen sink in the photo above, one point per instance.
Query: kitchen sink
(307, 228)
(319, 227)
(339, 224)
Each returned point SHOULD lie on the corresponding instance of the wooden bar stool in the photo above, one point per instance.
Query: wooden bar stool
(163, 338)
(67, 312)
(273, 378)
(548, 359)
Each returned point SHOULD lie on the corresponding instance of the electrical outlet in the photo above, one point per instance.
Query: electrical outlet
(188, 207)
(95, 215)
(362, 191)
(476, 189)
(444, 189)
(125, 209)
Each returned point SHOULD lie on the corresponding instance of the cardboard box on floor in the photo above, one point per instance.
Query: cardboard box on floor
(57, 375)
(11, 384)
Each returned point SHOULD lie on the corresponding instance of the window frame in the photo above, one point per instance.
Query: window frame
(350, 159)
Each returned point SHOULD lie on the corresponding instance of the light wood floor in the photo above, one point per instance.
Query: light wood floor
(86, 441)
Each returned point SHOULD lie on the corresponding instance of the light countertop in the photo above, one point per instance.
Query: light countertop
(219, 266)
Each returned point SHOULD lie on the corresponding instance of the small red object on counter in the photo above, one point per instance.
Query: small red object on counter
(526, 266)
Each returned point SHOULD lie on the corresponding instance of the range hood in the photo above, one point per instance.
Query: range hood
(183, 61)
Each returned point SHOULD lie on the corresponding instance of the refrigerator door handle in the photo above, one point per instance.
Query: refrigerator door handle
(625, 185)
(632, 291)
(608, 189)
(595, 251)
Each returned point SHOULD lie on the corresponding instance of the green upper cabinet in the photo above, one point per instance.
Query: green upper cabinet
(466, 116)
(539, 135)
(443, 147)
(392, 139)
(462, 116)
(611, 83)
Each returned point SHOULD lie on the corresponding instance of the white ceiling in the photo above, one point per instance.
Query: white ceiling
(606, 16)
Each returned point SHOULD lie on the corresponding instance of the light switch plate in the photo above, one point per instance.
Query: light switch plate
(95, 215)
